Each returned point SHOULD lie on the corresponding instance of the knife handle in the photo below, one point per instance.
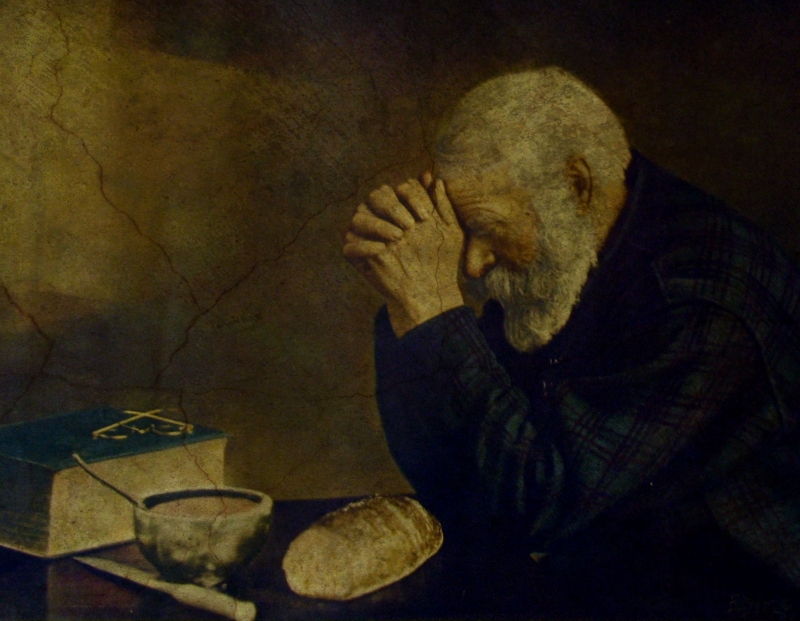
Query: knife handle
(213, 601)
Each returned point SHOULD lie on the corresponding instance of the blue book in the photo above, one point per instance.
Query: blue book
(50, 506)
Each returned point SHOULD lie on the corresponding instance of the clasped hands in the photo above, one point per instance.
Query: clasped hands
(407, 242)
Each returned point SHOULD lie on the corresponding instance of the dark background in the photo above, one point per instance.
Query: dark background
(176, 178)
(709, 89)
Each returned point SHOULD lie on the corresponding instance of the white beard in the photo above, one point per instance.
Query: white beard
(538, 300)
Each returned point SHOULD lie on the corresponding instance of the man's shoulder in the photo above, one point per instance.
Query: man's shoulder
(704, 250)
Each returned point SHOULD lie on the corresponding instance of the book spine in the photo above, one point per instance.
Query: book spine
(25, 491)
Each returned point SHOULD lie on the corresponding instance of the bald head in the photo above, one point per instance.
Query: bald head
(533, 125)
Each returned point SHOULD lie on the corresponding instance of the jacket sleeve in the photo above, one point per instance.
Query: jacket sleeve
(550, 460)
(445, 404)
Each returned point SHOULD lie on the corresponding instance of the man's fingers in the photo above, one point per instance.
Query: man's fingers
(385, 203)
(357, 248)
(416, 199)
(350, 237)
(426, 179)
(443, 205)
(372, 227)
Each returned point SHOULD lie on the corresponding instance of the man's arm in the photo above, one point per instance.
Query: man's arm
(548, 460)
(441, 396)
(551, 460)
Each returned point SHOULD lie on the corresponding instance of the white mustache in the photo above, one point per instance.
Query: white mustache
(538, 300)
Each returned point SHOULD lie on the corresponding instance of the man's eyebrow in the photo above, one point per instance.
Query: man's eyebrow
(483, 221)
(484, 216)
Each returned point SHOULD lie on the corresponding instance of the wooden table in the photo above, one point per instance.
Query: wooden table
(463, 581)
(64, 589)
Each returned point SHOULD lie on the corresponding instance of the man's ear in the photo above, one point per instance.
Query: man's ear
(580, 177)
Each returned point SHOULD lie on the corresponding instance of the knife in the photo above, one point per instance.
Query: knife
(189, 594)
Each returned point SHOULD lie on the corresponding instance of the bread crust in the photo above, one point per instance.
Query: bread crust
(361, 547)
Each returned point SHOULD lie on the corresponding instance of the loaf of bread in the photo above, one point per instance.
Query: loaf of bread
(362, 547)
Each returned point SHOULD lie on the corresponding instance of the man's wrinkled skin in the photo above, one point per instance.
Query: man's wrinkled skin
(412, 242)
(529, 178)
(408, 243)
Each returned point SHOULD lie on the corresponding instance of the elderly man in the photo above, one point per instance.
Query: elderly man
(634, 379)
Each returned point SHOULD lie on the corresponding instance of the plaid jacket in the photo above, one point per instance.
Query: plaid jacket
(673, 391)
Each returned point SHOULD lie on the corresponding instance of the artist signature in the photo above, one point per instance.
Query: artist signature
(746, 609)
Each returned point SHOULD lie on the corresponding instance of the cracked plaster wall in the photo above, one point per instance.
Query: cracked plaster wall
(175, 179)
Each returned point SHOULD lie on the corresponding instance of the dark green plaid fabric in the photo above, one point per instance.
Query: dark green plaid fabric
(672, 391)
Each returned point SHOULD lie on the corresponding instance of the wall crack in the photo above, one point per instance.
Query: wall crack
(260, 263)
(57, 69)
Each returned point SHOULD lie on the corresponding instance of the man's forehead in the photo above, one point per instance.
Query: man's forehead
(484, 197)
(482, 203)
(468, 183)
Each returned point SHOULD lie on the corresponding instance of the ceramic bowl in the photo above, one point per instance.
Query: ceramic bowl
(202, 535)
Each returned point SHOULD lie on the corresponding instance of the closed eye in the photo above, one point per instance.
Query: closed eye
(493, 230)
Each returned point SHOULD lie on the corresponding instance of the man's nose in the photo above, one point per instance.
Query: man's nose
(479, 259)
